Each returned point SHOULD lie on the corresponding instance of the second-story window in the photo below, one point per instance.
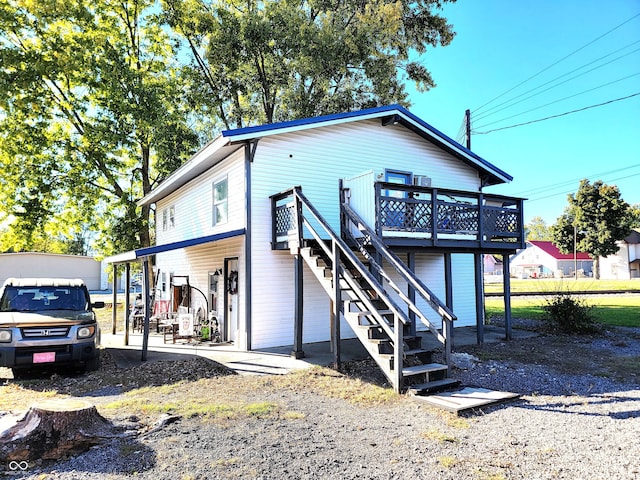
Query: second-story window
(220, 201)
(172, 216)
(165, 219)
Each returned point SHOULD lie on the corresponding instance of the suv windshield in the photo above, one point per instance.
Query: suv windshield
(32, 299)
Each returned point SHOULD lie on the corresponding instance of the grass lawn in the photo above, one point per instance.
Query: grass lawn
(564, 285)
(615, 310)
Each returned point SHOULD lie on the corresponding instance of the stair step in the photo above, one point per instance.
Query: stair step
(366, 313)
(427, 368)
(416, 351)
(434, 386)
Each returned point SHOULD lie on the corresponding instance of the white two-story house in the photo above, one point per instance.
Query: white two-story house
(369, 224)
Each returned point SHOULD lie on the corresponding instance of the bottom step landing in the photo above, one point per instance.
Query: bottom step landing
(465, 399)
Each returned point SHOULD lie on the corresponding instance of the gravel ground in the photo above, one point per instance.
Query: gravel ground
(568, 424)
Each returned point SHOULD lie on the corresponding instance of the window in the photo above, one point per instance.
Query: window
(220, 202)
(402, 178)
(165, 220)
(172, 216)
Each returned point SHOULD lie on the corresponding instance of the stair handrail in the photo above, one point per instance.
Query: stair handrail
(447, 316)
(443, 310)
(348, 253)
(396, 334)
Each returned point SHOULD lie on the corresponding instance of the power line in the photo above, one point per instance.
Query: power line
(560, 114)
(574, 190)
(493, 110)
(556, 63)
(545, 188)
(560, 100)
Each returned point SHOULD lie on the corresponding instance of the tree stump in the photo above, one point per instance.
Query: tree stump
(53, 429)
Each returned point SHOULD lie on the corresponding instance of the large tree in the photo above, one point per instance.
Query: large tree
(90, 119)
(257, 61)
(99, 101)
(594, 221)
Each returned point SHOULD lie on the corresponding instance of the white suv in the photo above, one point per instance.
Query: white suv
(46, 321)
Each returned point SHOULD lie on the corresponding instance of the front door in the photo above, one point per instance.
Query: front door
(231, 299)
(395, 212)
(396, 176)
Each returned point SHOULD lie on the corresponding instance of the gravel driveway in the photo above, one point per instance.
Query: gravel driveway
(567, 425)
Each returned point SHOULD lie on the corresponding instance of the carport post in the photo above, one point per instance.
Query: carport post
(114, 299)
(127, 281)
(145, 288)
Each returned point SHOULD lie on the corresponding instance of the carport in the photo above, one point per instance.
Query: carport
(144, 256)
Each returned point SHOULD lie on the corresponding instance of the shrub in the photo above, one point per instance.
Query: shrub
(568, 314)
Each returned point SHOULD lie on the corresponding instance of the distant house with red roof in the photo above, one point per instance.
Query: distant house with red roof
(543, 259)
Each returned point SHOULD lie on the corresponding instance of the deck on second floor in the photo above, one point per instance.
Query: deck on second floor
(414, 217)
(410, 216)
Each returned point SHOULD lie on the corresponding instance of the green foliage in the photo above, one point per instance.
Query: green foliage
(98, 104)
(538, 229)
(265, 61)
(635, 215)
(595, 220)
(566, 313)
(91, 116)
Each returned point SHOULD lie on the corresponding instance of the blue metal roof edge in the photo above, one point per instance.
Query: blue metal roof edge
(312, 120)
(387, 109)
(145, 252)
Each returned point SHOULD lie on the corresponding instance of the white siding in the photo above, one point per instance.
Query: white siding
(194, 203)
(429, 268)
(616, 267)
(361, 196)
(464, 290)
(316, 160)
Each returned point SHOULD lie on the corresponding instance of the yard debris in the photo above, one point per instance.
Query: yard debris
(463, 361)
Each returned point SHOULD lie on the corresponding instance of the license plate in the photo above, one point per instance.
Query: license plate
(44, 357)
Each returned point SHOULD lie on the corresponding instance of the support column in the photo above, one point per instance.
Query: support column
(145, 291)
(506, 282)
(448, 286)
(127, 301)
(477, 257)
(336, 304)
(299, 308)
(411, 292)
(448, 281)
(114, 299)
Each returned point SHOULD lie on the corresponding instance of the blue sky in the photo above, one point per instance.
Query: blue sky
(506, 51)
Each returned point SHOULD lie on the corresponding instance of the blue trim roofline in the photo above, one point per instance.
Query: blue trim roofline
(134, 255)
(267, 127)
(145, 252)
(405, 117)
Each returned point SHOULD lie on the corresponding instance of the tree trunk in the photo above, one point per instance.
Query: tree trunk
(53, 429)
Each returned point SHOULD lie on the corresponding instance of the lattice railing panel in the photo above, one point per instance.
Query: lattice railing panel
(501, 224)
(285, 220)
(456, 218)
(405, 215)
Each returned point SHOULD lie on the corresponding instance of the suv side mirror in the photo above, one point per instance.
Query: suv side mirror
(97, 305)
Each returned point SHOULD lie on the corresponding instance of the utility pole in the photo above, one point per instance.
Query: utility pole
(467, 121)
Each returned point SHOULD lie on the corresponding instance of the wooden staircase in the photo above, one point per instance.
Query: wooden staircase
(373, 316)
(349, 268)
